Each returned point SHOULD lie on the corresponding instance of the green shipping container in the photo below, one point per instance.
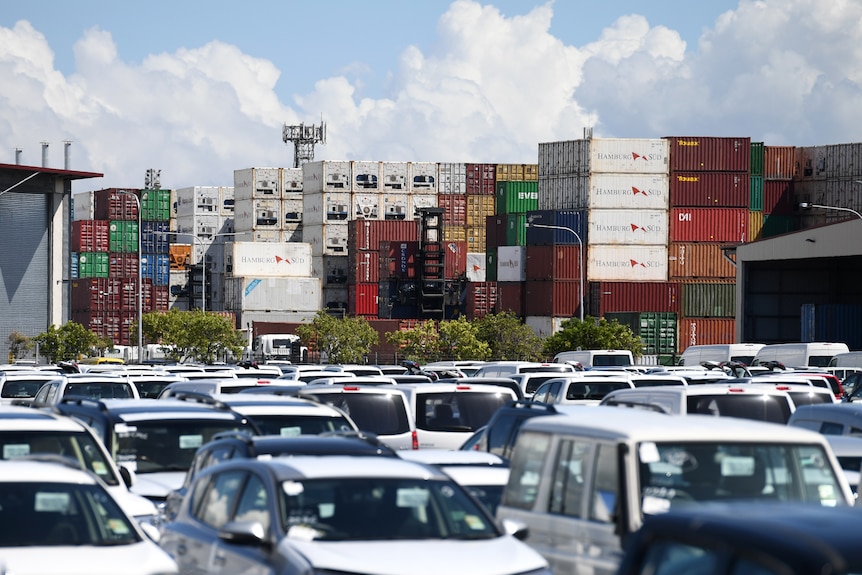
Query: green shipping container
(657, 330)
(709, 299)
(758, 158)
(517, 197)
(93, 265)
(123, 236)
(755, 203)
(156, 205)
(491, 264)
(777, 224)
(516, 229)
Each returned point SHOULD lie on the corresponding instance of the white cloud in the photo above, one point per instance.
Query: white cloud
(490, 90)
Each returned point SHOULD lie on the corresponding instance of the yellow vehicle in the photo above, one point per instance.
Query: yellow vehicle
(102, 360)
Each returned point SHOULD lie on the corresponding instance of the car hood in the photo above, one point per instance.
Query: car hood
(157, 485)
(144, 558)
(498, 556)
(133, 504)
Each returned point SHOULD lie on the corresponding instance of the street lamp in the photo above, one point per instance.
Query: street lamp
(807, 206)
(580, 261)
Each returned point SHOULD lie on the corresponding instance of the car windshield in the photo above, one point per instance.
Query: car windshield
(457, 411)
(380, 413)
(150, 389)
(773, 408)
(808, 398)
(22, 388)
(54, 514)
(168, 444)
(593, 389)
(674, 474)
(346, 509)
(291, 425)
(77, 445)
(100, 389)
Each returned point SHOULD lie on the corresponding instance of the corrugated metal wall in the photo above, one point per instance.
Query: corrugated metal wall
(24, 252)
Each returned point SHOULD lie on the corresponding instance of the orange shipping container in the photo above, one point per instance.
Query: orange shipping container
(779, 162)
(705, 331)
(687, 260)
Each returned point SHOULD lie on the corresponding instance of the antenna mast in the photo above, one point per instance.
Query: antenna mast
(304, 138)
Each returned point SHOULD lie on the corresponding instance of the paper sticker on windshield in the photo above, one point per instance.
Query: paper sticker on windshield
(290, 431)
(292, 488)
(648, 452)
(655, 505)
(191, 441)
(412, 497)
(47, 501)
(737, 466)
(15, 450)
(826, 493)
(474, 522)
(122, 429)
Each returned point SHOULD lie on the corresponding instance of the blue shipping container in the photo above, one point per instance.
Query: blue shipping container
(156, 267)
(73, 266)
(833, 322)
(562, 223)
(155, 237)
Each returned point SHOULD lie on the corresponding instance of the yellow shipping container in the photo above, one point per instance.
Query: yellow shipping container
(517, 172)
(479, 207)
(476, 239)
(755, 225)
(454, 233)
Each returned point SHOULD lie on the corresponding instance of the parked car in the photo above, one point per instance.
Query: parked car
(58, 519)
(22, 386)
(829, 419)
(101, 386)
(210, 386)
(339, 514)
(579, 390)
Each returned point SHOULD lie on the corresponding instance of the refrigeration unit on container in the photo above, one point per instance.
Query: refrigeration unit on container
(257, 184)
(511, 261)
(709, 154)
(476, 267)
(332, 270)
(692, 260)
(455, 206)
(396, 206)
(705, 331)
(335, 298)
(123, 265)
(544, 326)
(362, 299)
(366, 206)
(779, 162)
(613, 297)
(567, 157)
(368, 234)
(566, 227)
(226, 201)
(423, 177)
(204, 227)
(517, 197)
(326, 239)
(563, 192)
(709, 225)
(420, 201)
(198, 201)
(517, 172)
(479, 208)
(553, 262)
(627, 263)
(710, 189)
(84, 206)
(481, 179)
(328, 207)
(266, 236)
(90, 236)
(708, 299)
(629, 155)
(273, 294)
(326, 176)
(156, 205)
(291, 211)
(559, 298)
(268, 259)
(627, 227)
(365, 177)
(453, 178)
(291, 182)
(625, 191)
(393, 177)
(251, 215)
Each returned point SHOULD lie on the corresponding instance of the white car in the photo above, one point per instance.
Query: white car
(57, 519)
(285, 415)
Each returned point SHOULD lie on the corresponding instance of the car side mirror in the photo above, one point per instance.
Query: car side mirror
(516, 529)
(128, 475)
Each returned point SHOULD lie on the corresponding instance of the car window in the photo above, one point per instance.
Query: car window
(567, 487)
(380, 413)
(293, 425)
(218, 498)
(773, 408)
(831, 428)
(527, 462)
(254, 503)
(603, 498)
(457, 411)
(77, 445)
(676, 558)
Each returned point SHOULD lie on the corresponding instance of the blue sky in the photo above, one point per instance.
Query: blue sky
(200, 88)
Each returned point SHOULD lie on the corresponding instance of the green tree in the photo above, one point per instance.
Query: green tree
(508, 338)
(421, 343)
(459, 339)
(341, 340)
(19, 344)
(68, 342)
(593, 333)
(193, 335)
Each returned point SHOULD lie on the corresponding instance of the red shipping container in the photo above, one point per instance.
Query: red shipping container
(93, 321)
(456, 208)
(481, 299)
(123, 265)
(688, 260)
(710, 189)
(778, 197)
(495, 231)
(705, 331)
(110, 204)
(557, 262)
(161, 298)
(95, 294)
(90, 236)
(510, 297)
(709, 225)
(709, 154)
(363, 267)
(558, 298)
(779, 162)
(368, 234)
(129, 294)
(482, 179)
(455, 260)
(399, 260)
(362, 299)
(155, 298)
(612, 297)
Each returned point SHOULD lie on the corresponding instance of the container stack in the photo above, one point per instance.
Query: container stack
(772, 208)
(828, 176)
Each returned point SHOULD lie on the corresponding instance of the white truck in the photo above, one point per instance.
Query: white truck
(282, 346)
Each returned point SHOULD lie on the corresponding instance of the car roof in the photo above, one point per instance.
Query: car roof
(453, 457)
(346, 466)
(704, 389)
(477, 475)
(35, 471)
(322, 444)
(830, 410)
(149, 409)
(251, 404)
(641, 425)
(25, 418)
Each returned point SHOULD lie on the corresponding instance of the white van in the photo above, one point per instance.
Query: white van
(741, 352)
(812, 354)
(848, 359)
(596, 357)
(581, 483)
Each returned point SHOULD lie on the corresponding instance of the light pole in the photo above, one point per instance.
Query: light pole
(807, 206)
(580, 261)
(140, 277)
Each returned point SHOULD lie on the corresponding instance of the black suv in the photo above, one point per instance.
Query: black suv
(499, 435)
(239, 445)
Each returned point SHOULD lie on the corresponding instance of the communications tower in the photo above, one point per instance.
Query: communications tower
(304, 138)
